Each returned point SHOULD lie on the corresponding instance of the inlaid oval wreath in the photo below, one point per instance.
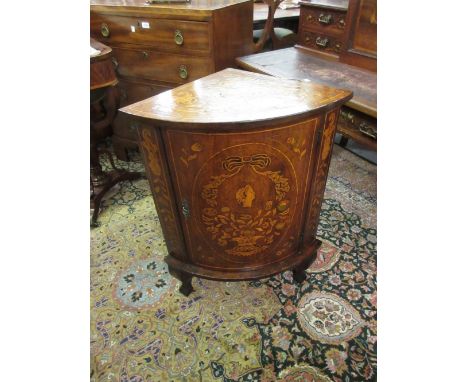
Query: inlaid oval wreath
(249, 202)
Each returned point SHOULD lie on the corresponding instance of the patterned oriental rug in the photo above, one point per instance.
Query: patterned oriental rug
(143, 329)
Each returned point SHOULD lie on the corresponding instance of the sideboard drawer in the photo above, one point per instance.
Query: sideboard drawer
(320, 42)
(358, 126)
(131, 92)
(325, 21)
(153, 65)
(167, 35)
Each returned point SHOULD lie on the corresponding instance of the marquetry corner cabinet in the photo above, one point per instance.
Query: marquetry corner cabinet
(157, 47)
(238, 189)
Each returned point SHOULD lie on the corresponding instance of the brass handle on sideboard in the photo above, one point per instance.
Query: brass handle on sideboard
(341, 23)
(178, 37)
(347, 116)
(145, 54)
(368, 130)
(183, 72)
(322, 42)
(105, 31)
(309, 17)
(325, 19)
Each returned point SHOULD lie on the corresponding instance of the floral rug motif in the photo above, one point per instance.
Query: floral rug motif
(143, 329)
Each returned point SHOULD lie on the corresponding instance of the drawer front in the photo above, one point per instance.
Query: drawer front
(322, 20)
(130, 92)
(321, 42)
(167, 35)
(153, 65)
(358, 126)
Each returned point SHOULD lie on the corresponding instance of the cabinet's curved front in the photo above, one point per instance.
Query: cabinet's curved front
(239, 201)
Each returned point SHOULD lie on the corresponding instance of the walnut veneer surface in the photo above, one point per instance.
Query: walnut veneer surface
(158, 47)
(238, 189)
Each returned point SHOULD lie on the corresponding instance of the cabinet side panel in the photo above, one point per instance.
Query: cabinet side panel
(319, 180)
(159, 180)
(232, 34)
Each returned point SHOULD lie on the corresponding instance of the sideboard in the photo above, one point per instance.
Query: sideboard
(158, 47)
(337, 47)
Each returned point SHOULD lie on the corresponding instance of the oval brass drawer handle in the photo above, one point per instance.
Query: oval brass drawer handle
(347, 116)
(325, 19)
(145, 54)
(368, 130)
(309, 17)
(322, 42)
(178, 37)
(105, 31)
(183, 72)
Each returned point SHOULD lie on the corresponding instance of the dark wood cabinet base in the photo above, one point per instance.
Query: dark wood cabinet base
(297, 263)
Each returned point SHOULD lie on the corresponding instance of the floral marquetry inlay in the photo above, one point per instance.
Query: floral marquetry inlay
(247, 203)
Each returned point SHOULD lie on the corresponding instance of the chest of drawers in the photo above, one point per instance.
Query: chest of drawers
(322, 25)
(158, 47)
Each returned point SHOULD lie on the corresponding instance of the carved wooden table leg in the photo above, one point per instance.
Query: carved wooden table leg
(185, 278)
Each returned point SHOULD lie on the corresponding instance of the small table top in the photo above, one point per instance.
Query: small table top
(102, 73)
(296, 63)
(234, 96)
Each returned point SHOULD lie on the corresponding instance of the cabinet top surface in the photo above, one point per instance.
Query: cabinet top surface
(194, 5)
(236, 96)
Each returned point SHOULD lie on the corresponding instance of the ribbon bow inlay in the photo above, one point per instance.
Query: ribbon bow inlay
(258, 160)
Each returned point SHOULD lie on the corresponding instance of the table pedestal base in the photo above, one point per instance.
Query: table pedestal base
(103, 181)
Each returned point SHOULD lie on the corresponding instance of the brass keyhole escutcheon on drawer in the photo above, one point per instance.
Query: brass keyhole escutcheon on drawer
(183, 72)
(325, 19)
(322, 42)
(178, 37)
(309, 17)
(145, 54)
(105, 31)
